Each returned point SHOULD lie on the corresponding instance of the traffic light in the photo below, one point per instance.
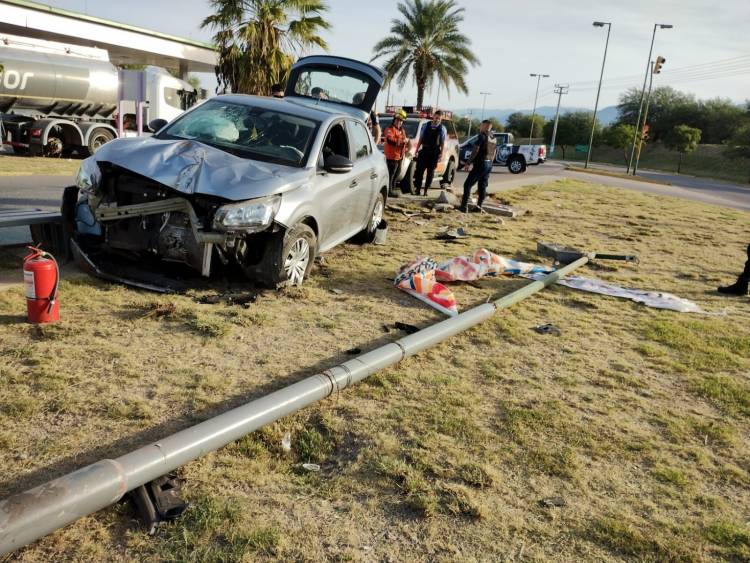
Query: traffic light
(658, 64)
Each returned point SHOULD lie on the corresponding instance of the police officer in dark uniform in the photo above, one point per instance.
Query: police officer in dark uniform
(480, 165)
(430, 148)
(739, 287)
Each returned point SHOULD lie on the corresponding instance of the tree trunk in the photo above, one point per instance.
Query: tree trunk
(420, 96)
(679, 163)
(563, 150)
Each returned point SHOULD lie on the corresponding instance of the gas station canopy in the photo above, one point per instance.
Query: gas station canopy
(126, 44)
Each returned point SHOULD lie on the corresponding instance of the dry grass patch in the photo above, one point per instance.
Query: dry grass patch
(624, 438)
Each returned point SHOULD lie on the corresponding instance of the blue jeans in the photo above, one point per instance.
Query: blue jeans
(480, 174)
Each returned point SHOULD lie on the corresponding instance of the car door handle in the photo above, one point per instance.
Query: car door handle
(354, 184)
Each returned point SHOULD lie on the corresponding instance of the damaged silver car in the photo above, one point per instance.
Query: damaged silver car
(261, 183)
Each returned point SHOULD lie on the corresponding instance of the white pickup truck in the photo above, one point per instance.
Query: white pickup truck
(515, 157)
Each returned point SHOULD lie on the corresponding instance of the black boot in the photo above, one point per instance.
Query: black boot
(739, 287)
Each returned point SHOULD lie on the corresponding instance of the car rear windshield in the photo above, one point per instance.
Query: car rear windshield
(247, 131)
(411, 126)
(341, 88)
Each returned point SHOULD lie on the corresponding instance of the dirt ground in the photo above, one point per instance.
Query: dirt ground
(626, 437)
(27, 166)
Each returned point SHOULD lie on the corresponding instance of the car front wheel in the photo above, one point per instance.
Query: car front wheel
(290, 262)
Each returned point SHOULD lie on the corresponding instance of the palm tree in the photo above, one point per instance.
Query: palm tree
(427, 44)
(257, 40)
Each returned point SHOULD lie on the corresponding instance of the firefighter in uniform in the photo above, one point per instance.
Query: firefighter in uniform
(480, 163)
(739, 287)
(394, 147)
(430, 150)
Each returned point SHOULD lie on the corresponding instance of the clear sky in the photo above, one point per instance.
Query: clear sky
(513, 39)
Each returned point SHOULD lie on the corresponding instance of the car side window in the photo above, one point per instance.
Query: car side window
(360, 140)
(336, 142)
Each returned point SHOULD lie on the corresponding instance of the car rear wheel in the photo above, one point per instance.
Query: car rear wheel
(516, 165)
(367, 235)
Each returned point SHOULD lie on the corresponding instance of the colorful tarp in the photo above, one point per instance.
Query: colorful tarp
(418, 279)
(422, 277)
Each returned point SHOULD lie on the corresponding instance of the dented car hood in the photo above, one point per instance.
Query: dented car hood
(192, 167)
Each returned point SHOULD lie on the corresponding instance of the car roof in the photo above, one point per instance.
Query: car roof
(293, 107)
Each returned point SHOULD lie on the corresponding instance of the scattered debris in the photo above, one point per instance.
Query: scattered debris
(159, 501)
(407, 328)
(336, 291)
(566, 255)
(381, 233)
(314, 467)
(503, 210)
(443, 207)
(243, 299)
(286, 442)
(354, 351)
(449, 198)
(386, 328)
(548, 328)
(553, 502)
(452, 234)
(417, 278)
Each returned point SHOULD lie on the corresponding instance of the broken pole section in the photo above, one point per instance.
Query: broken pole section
(33, 514)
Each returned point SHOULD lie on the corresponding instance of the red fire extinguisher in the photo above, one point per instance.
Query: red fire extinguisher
(41, 276)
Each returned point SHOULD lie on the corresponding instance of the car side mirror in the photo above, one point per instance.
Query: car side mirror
(156, 124)
(337, 164)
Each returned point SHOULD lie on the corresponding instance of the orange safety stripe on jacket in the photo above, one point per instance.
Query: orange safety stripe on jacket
(394, 143)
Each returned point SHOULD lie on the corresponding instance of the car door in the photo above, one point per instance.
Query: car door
(334, 199)
(363, 186)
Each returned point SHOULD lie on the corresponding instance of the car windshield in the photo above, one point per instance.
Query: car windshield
(321, 84)
(411, 126)
(247, 131)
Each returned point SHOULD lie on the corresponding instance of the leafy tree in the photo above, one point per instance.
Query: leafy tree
(683, 139)
(619, 136)
(573, 128)
(426, 44)
(462, 126)
(718, 118)
(257, 40)
(520, 124)
(739, 145)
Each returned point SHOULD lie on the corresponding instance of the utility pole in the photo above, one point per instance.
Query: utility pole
(536, 97)
(484, 103)
(643, 91)
(655, 69)
(560, 91)
(468, 135)
(598, 91)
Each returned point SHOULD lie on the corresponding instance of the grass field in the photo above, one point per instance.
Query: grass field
(627, 437)
(707, 161)
(27, 166)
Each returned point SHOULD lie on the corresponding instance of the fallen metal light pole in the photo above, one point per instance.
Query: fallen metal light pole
(33, 514)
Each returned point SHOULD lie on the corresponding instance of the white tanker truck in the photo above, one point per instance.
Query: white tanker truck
(60, 99)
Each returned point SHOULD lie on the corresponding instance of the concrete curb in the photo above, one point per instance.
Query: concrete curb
(599, 172)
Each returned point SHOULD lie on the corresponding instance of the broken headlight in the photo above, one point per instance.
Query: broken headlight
(89, 176)
(250, 216)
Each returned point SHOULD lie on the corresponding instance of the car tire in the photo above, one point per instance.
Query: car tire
(98, 137)
(367, 235)
(407, 182)
(517, 165)
(289, 263)
(450, 173)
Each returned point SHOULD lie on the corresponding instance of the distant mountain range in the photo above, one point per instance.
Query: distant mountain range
(606, 115)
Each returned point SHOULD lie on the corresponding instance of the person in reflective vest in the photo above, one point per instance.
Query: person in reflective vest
(430, 148)
(394, 147)
(480, 165)
(740, 287)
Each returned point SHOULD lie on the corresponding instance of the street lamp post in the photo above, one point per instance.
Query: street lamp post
(471, 113)
(599, 90)
(536, 97)
(643, 91)
(484, 102)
